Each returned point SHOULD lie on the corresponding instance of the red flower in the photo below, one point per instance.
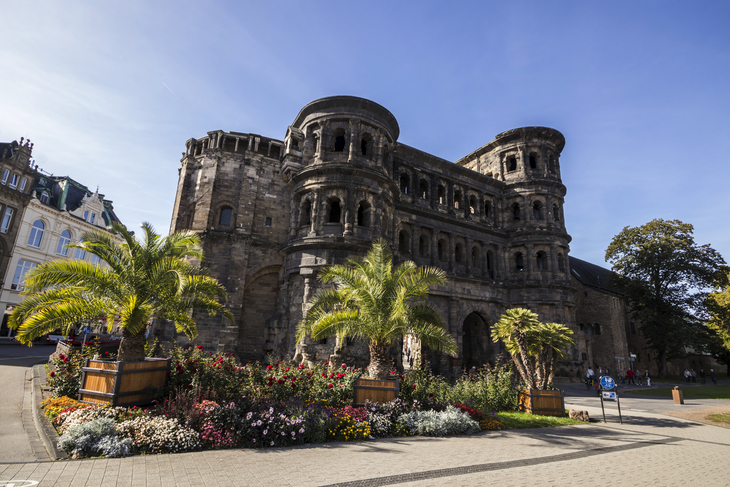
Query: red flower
(200, 347)
(430, 394)
(414, 386)
(326, 364)
(53, 374)
(280, 381)
(332, 375)
(293, 385)
(330, 386)
(324, 374)
(268, 367)
(392, 372)
(400, 377)
(344, 366)
(301, 366)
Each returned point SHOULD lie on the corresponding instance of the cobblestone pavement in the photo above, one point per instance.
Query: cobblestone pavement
(648, 449)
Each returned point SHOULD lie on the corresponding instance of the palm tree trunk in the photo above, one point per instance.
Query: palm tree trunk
(379, 361)
(522, 345)
(131, 348)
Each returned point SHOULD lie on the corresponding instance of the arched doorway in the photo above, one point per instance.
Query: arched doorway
(259, 304)
(477, 346)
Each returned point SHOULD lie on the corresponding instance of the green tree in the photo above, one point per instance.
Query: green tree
(535, 347)
(372, 300)
(718, 304)
(142, 281)
(666, 276)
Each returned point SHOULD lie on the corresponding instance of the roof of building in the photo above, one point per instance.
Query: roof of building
(67, 194)
(592, 275)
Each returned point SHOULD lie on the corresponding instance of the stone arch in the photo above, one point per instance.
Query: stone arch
(477, 348)
(260, 297)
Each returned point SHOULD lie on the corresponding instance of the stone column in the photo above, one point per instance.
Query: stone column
(554, 260)
(435, 249)
(316, 210)
(295, 209)
(348, 220)
(415, 234)
(467, 256)
(525, 161)
(529, 258)
(452, 264)
(353, 145)
(504, 257)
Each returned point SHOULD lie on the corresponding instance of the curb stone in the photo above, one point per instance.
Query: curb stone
(45, 429)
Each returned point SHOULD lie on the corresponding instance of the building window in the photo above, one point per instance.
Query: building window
(86, 215)
(13, 181)
(423, 189)
(519, 262)
(306, 214)
(62, 242)
(515, 211)
(23, 183)
(423, 246)
(93, 217)
(583, 356)
(512, 164)
(335, 211)
(20, 272)
(556, 213)
(36, 234)
(457, 198)
(537, 210)
(338, 140)
(542, 261)
(490, 263)
(472, 205)
(7, 220)
(442, 194)
(404, 183)
(597, 329)
(403, 241)
(363, 214)
(95, 259)
(487, 209)
(44, 198)
(80, 254)
(6, 173)
(226, 215)
(442, 250)
(533, 161)
(267, 222)
(459, 253)
(476, 257)
(366, 145)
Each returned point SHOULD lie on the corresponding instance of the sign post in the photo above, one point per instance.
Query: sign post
(609, 391)
(86, 332)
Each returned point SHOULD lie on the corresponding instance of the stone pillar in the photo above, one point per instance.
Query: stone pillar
(250, 143)
(554, 260)
(293, 223)
(529, 260)
(353, 145)
(435, 249)
(524, 160)
(415, 234)
(467, 257)
(348, 222)
(452, 264)
(235, 149)
(316, 210)
(504, 272)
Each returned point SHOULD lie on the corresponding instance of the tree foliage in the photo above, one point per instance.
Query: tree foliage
(535, 347)
(374, 301)
(666, 276)
(718, 304)
(141, 281)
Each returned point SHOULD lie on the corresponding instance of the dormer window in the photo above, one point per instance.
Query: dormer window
(44, 198)
(92, 218)
(13, 181)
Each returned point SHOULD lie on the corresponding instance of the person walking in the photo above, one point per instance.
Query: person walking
(637, 376)
(702, 375)
(589, 376)
(693, 375)
(648, 379)
(630, 375)
(687, 375)
(713, 376)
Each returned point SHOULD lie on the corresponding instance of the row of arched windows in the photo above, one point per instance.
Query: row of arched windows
(35, 239)
(533, 160)
(541, 261)
(334, 212)
(590, 329)
(442, 251)
(538, 211)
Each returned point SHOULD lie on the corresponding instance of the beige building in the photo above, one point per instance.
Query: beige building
(59, 212)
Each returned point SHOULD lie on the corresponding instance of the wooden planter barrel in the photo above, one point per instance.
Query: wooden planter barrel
(122, 383)
(374, 390)
(544, 403)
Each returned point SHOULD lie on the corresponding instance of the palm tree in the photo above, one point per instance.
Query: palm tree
(535, 347)
(142, 281)
(373, 301)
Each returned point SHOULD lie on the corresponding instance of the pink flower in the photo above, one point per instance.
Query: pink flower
(414, 386)
(268, 367)
(330, 386)
(200, 347)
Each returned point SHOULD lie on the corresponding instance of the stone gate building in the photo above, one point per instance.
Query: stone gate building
(272, 213)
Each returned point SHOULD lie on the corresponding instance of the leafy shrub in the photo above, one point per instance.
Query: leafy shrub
(435, 423)
(382, 417)
(68, 419)
(64, 371)
(347, 428)
(57, 405)
(489, 389)
(94, 438)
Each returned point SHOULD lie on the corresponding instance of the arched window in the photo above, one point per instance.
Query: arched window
(588, 329)
(476, 257)
(487, 209)
(36, 234)
(62, 242)
(457, 198)
(511, 164)
(459, 253)
(472, 205)
(305, 217)
(225, 218)
(561, 263)
(404, 183)
(366, 145)
(515, 211)
(533, 161)
(581, 327)
(363, 214)
(423, 246)
(490, 263)
(537, 210)
(423, 189)
(442, 194)
(334, 216)
(597, 329)
(542, 264)
(556, 213)
(403, 241)
(442, 250)
(338, 140)
(80, 254)
(44, 198)
(519, 262)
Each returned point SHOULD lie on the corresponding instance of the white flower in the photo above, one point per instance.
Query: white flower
(301, 430)
(248, 416)
(266, 431)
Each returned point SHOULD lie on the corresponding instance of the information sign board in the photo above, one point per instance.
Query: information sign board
(607, 382)
(609, 395)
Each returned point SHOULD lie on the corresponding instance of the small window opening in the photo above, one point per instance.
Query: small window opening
(339, 140)
(512, 164)
(365, 145)
(515, 211)
(556, 213)
(487, 209)
(423, 189)
(225, 218)
(403, 241)
(315, 143)
(459, 253)
(476, 258)
(404, 183)
(597, 329)
(541, 261)
(519, 262)
(583, 356)
(267, 222)
(442, 250)
(334, 212)
(457, 199)
(306, 218)
(472, 205)
(442, 194)
(533, 161)
(363, 219)
(588, 329)
(423, 246)
(536, 210)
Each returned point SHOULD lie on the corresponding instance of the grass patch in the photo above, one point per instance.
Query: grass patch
(719, 418)
(518, 420)
(692, 392)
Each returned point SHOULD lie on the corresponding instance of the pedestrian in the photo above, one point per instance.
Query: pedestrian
(600, 371)
(648, 379)
(638, 377)
(713, 376)
(608, 371)
(702, 375)
(687, 375)
(630, 376)
(693, 375)
(589, 375)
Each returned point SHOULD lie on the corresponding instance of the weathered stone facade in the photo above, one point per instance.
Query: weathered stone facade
(272, 213)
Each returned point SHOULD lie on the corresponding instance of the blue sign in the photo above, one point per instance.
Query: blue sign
(607, 382)
(609, 395)
(87, 330)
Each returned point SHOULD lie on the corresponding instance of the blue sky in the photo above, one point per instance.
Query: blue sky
(109, 94)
